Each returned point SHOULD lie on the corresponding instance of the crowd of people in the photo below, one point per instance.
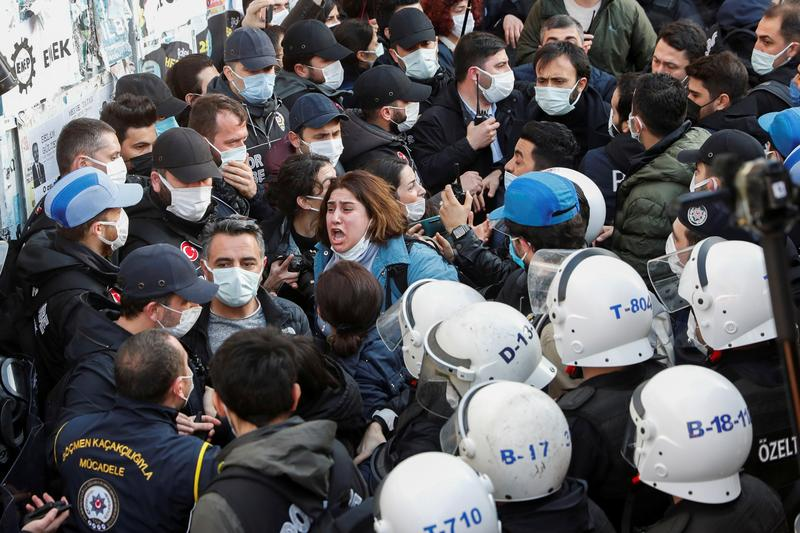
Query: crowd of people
(416, 266)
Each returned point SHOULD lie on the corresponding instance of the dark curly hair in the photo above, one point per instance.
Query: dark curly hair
(296, 178)
(439, 13)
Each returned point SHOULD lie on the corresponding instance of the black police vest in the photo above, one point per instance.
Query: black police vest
(608, 410)
(773, 457)
(156, 231)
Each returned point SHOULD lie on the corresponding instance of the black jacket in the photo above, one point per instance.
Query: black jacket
(341, 404)
(151, 224)
(598, 412)
(57, 272)
(757, 372)
(588, 121)
(567, 510)
(277, 479)
(365, 142)
(608, 166)
(279, 242)
(90, 386)
(757, 509)
(484, 268)
(440, 139)
(278, 312)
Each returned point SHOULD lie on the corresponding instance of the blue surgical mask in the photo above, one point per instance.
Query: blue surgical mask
(166, 124)
(514, 256)
(258, 88)
(794, 94)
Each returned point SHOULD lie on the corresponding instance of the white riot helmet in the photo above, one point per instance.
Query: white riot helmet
(601, 311)
(515, 434)
(725, 282)
(435, 492)
(593, 196)
(424, 303)
(690, 433)
(484, 341)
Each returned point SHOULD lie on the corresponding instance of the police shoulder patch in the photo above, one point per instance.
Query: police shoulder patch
(98, 504)
(576, 398)
(697, 215)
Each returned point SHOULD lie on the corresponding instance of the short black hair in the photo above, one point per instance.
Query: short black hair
(80, 136)
(296, 178)
(566, 235)
(576, 55)
(356, 35)
(147, 364)
(685, 36)
(660, 102)
(790, 20)
(473, 50)
(554, 144)
(128, 110)
(561, 22)
(721, 73)
(626, 85)
(253, 372)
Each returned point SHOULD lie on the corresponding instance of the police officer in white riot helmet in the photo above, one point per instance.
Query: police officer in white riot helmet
(725, 283)
(518, 436)
(601, 312)
(435, 492)
(689, 434)
(484, 341)
(479, 342)
(425, 303)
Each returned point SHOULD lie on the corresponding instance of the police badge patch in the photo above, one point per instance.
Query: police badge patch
(98, 504)
(697, 215)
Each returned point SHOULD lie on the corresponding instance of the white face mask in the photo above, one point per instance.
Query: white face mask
(612, 128)
(691, 333)
(674, 261)
(187, 319)
(358, 250)
(501, 87)
(330, 148)
(333, 74)
(122, 231)
(116, 170)
(234, 154)
(763, 63)
(508, 179)
(634, 134)
(237, 286)
(458, 23)
(190, 378)
(416, 209)
(554, 101)
(412, 115)
(703, 185)
(421, 64)
(279, 17)
(188, 203)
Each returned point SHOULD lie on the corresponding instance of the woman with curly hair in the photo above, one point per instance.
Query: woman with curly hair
(448, 18)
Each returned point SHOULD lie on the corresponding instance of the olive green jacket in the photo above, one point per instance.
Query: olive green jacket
(623, 36)
(644, 199)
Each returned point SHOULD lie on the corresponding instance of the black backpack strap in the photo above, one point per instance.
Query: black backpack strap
(779, 90)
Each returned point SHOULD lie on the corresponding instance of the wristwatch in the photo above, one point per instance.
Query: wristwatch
(460, 231)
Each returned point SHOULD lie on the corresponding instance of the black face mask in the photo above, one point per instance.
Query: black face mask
(693, 110)
(142, 165)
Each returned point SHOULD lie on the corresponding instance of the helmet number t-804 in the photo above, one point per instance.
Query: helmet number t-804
(636, 305)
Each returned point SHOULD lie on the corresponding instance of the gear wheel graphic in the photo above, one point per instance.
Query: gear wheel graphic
(18, 49)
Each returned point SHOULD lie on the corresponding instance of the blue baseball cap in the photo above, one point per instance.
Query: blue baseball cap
(539, 199)
(792, 164)
(783, 128)
(314, 110)
(250, 47)
(160, 270)
(83, 194)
